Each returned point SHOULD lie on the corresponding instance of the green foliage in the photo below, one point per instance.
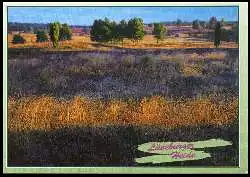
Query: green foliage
(226, 35)
(114, 35)
(54, 33)
(235, 30)
(217, 34)
(212, 23)
(203, 24)
(136, 29)
(178, 22)
(159, 31)
(196, 24)
(41, 36)
(146, 61)
(65, 33)
(18, 39)
(101, 30)
(105, 30)
(222, 22)
(122, 30)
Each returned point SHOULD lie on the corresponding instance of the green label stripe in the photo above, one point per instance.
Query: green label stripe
(177, 151)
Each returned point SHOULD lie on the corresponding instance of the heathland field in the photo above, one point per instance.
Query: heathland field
(148, 42)
(88, 104)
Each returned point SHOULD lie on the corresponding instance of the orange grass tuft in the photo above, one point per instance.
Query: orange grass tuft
(46, 113)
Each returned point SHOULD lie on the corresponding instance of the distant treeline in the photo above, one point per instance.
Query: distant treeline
(27, 27)
(35, 27)
(115, 32)
(188, 23)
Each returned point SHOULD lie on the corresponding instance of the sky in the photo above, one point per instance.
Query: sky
(87, 15)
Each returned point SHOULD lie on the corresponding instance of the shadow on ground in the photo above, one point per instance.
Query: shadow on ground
(113, 146)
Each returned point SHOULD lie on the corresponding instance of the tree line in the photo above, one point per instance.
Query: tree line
(219, 32)
(101, 31)
(57, 32)
(133, 29)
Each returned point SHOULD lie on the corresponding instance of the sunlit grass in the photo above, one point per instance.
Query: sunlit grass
(46, 113)
(84, 42)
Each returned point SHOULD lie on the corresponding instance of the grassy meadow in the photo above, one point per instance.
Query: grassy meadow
(91, 104)
(84, 43)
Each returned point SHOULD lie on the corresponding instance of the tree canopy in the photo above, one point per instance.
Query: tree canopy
(159, 31)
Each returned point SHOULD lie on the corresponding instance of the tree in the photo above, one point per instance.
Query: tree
(222, 22)
(95, 32)
(217, 34)
(114, 35)
(212, 23)
(178, 22)
(105, 30)
(235, 30)
(136, 29)
(18, 39)
(41, 36)
(203, 24)
(159, 31)
(196, 24)
(101, 30)
(150, 25)
(54, 33)
(65, 32)
(122, 30)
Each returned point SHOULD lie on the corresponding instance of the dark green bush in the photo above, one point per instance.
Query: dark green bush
(146, 61)
(41, 36)
(18, 39)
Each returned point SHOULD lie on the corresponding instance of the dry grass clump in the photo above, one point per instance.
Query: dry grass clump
(191, 69)
(193, 64)
(46, 113)
(216, 55)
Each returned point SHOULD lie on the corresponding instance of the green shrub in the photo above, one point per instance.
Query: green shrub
(65, 32)
(41, 36)
(18, 39)
(159, 31)
(146, 61)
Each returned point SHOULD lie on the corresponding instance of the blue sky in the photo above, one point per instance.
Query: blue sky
(86, 15)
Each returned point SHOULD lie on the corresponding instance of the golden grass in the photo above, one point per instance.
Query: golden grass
(216, 55)
(191, 69)
(47, 113)
(84, 42)
(188, 62)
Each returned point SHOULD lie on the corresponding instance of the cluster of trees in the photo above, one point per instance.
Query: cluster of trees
(197, 24)
(27, 27)
(110, 31)
(222, 34)
(219, 33)
(211, 24)
(57, 32)
(228, 35)
(106, 30)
